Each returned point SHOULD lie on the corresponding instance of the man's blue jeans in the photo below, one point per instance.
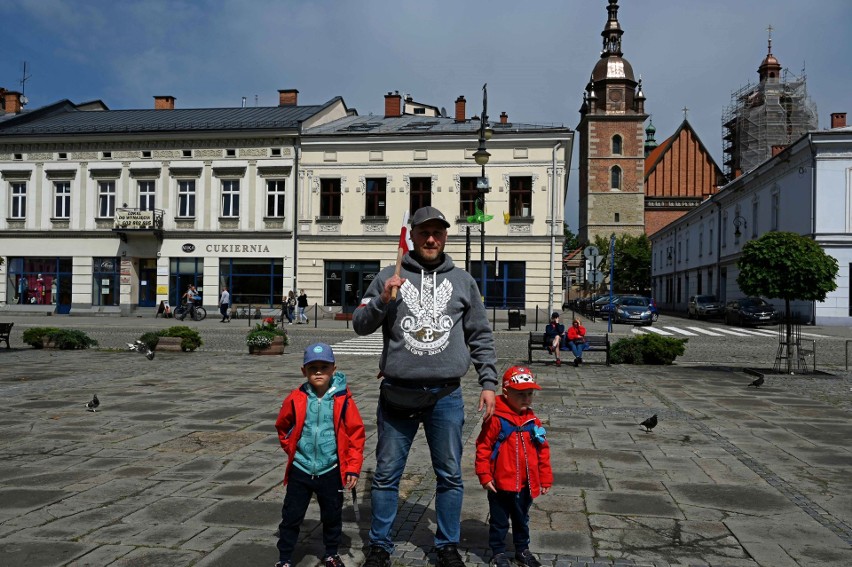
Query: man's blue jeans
(443, 427)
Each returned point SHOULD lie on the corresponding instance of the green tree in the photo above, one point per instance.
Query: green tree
(632, 262)
(570, 242)
(788, 266)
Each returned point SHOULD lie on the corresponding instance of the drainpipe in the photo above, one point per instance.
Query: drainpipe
(813, 208)
(297, 151)
(718, 249)
(552, 227)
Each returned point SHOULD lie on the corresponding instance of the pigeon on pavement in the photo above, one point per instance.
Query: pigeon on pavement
(757, 383)
(649, 423)
(90, 406)
(141, 347)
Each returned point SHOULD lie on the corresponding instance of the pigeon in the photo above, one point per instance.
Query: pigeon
(90, 406)
(141, 347)
(757, 383)
(649, 423)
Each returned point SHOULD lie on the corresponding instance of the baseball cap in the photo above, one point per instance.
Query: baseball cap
(318, 352)
(554, 315)
(425, 214)
(519, 378)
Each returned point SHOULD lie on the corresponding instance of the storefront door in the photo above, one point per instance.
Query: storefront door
(147, 287)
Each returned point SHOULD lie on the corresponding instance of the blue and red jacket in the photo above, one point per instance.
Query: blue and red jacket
(348, 429)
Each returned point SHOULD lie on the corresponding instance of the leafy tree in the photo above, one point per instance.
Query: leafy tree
(632, 262)
(788, 266)
(570, 241)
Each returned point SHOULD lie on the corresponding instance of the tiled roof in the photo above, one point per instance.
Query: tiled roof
(360, 125)
(73, 121)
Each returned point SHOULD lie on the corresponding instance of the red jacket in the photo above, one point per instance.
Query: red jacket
(519, 461)
(348, 429)
(575, 333)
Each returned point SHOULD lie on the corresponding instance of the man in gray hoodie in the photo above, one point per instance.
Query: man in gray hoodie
(432, 331)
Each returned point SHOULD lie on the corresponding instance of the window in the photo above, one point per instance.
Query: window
(617, 217)
(615, 178)
(687, 249)
(106, 199)
(701, 245)
(616, 145)
(376, 197)
(146, 195)
(724, 230)
(275, 198)
(186, 198)
(62, 199)
(775, 207)
(467, 197)
(520, 196)
(710, 243)
(19, 200)
(252, 280)
(421, 193)
(230, 197)
(754, 207)
(105, 281)
(329, 197)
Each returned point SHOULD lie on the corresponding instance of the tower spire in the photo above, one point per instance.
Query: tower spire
(770, 68)
(612, 32)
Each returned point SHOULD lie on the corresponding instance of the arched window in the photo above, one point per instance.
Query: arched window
(616, 145)
(615, 178)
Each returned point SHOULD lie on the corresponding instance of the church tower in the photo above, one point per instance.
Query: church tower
(612, 144)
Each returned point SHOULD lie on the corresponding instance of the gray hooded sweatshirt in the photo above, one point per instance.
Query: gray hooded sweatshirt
(434, 329)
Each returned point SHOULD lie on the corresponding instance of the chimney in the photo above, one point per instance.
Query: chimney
(164, 103)
(393, 105)
(13, 104)
(460, 109)
(838, 120)
(777, 150)
(288, 97)
(504, 118)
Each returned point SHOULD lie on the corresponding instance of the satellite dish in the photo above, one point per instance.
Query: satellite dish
(24, 100)
(443, 112)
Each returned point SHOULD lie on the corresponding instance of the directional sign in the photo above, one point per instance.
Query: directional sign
(595, 278)
(590, 251)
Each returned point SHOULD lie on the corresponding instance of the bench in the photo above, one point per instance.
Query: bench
(596, 343)
(5, 331)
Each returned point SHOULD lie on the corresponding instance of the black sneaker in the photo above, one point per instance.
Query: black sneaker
(449, 557)
(282, 564)
(526, 557)
(377, 557)
(499, 560)
(334, 561)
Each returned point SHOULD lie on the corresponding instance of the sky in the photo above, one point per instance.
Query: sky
(536, 56)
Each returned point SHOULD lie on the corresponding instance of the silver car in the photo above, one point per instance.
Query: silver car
(704, 306)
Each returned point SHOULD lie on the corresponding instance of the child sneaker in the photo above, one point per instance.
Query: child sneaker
(499, 560)
(526, 558)
(334, 561)
(377, 557)
(282, 564)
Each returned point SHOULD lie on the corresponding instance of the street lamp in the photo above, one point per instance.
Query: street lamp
(739, 222)
(481, 157)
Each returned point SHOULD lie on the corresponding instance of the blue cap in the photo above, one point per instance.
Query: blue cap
(318, 352)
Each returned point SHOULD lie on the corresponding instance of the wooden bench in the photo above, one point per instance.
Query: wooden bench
(596, 343)
(5, 331)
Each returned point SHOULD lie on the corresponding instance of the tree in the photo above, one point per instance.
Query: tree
(570, 242)
(632, 262)
(788, 266)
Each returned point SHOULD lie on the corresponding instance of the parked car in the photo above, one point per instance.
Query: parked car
(603, 307)
(633, 309)
(655, 313)
(750, 311)
(704, 306)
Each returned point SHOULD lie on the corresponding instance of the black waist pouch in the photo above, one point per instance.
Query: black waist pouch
(407, 403)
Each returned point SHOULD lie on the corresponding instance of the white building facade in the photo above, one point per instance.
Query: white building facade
(805, 188)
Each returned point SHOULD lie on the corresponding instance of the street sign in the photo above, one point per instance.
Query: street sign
(590, 251)
(595, 278)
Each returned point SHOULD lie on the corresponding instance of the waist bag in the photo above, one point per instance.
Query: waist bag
(407, 403)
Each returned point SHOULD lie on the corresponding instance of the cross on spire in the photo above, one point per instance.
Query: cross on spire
(685, 111)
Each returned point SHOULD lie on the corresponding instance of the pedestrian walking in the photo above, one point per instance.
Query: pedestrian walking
(225, 305)
(432, 331)
(290, 306)
(302, 302)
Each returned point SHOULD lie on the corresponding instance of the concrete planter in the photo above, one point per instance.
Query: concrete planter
(277, 347)
(169, 344)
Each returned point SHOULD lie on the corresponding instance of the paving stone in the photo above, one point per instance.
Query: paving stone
(39, 553)
(632, 504)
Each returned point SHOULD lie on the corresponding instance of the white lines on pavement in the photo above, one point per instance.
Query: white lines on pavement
(758, 332)
(814, 335)
(371, 345)
(705, 331)
(681, 331)
(652, 330)
(730, 332)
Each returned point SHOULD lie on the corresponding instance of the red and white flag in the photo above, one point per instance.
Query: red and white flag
(404, 235)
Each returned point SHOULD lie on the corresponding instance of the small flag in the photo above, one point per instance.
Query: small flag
(404, 236)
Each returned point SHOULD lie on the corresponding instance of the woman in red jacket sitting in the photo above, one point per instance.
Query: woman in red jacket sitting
(577, 341)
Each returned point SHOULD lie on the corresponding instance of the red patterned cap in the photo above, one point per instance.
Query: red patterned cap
(519, 378)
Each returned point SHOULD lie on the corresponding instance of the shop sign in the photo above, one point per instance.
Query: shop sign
(133, 219)
(188, 247)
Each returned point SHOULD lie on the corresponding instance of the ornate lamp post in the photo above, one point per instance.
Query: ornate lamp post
(481, 157)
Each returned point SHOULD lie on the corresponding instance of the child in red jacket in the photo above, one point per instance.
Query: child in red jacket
(513, 465)
(322, 433)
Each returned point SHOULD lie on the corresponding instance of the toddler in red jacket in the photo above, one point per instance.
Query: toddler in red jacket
(322, 432)
(513, 465)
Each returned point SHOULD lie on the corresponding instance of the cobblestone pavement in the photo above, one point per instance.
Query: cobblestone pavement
(181, 465)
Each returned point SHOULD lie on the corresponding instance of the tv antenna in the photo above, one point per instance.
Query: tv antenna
(24, 78)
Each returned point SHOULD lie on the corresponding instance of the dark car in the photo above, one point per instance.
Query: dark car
(603, 306)
(704, 306)
(750, 311)
(633, 309)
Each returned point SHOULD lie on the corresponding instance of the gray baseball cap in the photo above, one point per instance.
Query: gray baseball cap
(425, 214)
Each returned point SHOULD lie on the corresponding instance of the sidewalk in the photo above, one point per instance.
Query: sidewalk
(181, 465)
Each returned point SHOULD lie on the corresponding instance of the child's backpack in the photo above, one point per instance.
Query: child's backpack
(537, 434)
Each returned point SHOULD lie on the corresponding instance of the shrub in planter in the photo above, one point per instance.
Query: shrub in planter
(190, 339)
(647, 349)
(64, 339)
(150, 339)
(264, 333)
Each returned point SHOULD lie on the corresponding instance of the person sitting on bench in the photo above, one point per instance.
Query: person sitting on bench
(553, 335)
(577, 341)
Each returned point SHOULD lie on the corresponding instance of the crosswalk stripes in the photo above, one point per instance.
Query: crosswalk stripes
(655, 330)
(370, 345)
(682, 331)
(705, 331)
(669, 331)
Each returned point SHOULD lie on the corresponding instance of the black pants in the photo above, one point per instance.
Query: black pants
(300, 487)
(502, 507)
(223, 309)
